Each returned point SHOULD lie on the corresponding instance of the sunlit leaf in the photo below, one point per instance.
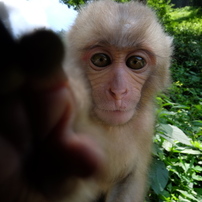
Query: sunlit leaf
(175, 133)
(187, 195)
(190, 151)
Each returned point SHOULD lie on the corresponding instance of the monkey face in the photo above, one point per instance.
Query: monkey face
(122, 58)
(116, 77)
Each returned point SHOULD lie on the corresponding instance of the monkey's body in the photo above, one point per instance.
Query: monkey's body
(128, 154)
(129, 157)
(118, 31)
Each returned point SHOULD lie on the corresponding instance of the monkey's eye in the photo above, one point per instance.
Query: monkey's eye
(135, 62)
(100, 60)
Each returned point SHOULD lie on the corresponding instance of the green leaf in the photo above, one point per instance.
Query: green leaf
(198, 168)
(190, 151)
(158, 176)
(197, 144)
(175, 133)
(197, 177)
(167, 145)
(187, 195)
(199, 192)
(197, 123)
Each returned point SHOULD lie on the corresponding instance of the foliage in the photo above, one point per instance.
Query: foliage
(162, 8)
(179, 153)
(75, 3)
(178, 140)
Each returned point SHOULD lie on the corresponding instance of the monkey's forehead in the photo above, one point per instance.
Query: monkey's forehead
(118, 24)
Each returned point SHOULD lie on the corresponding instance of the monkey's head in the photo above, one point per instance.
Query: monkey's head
(125, 54)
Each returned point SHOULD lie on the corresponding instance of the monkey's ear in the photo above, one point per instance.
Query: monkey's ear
(41, 52)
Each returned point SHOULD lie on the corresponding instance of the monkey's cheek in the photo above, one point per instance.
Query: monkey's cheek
(114, 117)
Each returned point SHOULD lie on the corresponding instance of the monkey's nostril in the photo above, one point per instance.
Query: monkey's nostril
(117, 94)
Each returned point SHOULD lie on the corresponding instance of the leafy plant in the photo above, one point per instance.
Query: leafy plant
(178, 139)
(177, 156)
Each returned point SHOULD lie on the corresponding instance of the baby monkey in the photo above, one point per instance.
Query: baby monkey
(125, 54)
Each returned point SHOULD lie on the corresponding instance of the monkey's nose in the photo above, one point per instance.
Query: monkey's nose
(117, 94)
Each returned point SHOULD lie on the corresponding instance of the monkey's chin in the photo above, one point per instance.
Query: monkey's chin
(114, 117)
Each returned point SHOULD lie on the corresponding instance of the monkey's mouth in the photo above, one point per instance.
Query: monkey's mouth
(118, 111)
(114, 116)
(113, 110)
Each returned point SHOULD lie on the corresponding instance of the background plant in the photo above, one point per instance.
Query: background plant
(176, 172)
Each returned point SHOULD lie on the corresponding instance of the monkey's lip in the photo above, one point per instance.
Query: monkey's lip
(114, 110)
(117, 111)
(104, 109)
(114, 116)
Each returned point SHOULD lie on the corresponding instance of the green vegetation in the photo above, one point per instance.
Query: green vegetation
(176, 173)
